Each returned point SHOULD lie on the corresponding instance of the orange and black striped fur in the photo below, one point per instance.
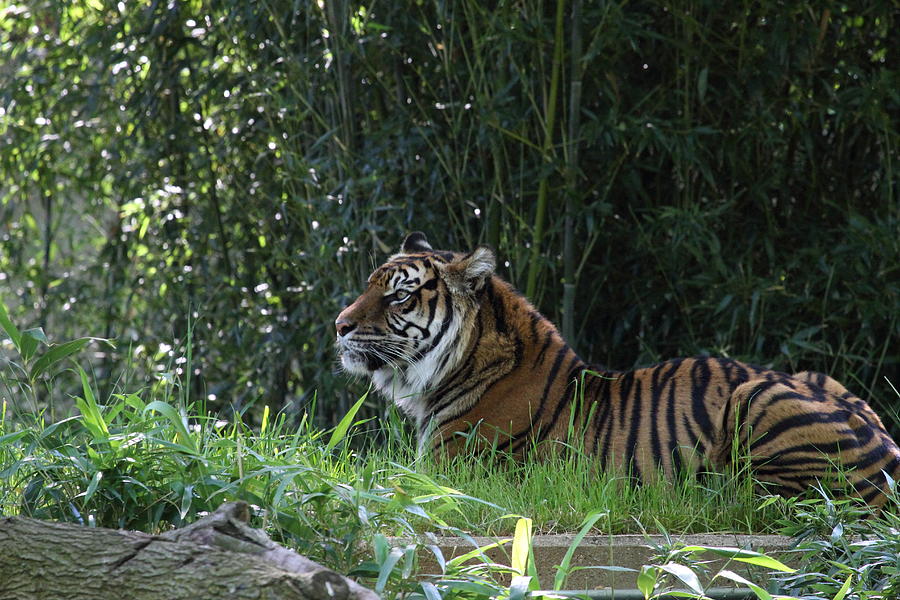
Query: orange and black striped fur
(459, 350)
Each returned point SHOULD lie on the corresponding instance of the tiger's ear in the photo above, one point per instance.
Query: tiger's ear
(472, 271)
(415, 242)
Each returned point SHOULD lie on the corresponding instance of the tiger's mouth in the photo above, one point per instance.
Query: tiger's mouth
(365, 357)
(360, 361)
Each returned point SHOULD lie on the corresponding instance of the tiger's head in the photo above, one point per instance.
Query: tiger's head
(412, 324)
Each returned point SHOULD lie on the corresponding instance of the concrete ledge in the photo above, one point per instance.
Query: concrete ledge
(630, 551)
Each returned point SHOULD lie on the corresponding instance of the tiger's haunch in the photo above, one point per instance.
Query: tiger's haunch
(461, 352)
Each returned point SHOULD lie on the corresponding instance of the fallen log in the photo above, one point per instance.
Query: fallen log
(219, 556)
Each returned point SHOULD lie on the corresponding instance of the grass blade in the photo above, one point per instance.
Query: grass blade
(90, 412)
(182, 433)
(341, 430)
(562, 572)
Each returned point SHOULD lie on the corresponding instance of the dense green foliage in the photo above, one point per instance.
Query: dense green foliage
(702, 177)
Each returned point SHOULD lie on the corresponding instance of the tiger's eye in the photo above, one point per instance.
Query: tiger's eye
(401, 295)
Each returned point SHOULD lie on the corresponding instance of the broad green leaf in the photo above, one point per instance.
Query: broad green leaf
(90, 412)
(92, 486)
(519, 588)
(702, 82)
(134, 401)
(646, 580)
(12, 438)
(29, 342)
(10, 329)
(470, 588)
(430, 591)
(747, 556)
(381, 547)
(844, 588)
(59, 352)
(287, 480)
(477, 552)
(387, 567)
(265, 421)
(187, 496)
(409, 562)
(685, 574)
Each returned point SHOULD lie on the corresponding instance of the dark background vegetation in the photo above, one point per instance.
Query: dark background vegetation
(663, 178)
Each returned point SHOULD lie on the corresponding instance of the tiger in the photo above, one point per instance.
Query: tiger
(465, 356)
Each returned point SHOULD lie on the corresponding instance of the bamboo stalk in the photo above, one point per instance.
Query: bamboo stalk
(549, 124)
(573, 198)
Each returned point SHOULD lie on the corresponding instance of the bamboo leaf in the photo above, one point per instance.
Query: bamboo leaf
(844, 588)
(91, 415)
(387, 568)
(746, 556)
(29, 342)
(646, 580)
(10, 329)
(685, 574)
(57, 353)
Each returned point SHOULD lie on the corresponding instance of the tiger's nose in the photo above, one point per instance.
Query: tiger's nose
(344, 326)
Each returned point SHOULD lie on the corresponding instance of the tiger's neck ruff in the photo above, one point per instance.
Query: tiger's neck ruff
(475, 365)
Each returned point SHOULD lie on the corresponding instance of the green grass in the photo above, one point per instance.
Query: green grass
(559, 491)
(153, 459)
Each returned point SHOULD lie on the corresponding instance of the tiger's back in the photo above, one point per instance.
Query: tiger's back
(472, 362)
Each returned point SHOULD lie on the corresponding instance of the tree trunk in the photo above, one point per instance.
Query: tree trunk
(219, 556)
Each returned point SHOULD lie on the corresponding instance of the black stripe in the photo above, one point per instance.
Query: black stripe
(625, 384)
(568, 396)
(787, 424)
(548, 338)
(535, 318)
(699, 383)
(600, 394)
(633, 434)
(613, 398)
(694, 438)
(498, 308)
(674, 450)
(662, 377)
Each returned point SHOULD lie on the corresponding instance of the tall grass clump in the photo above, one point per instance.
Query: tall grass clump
(156, 458)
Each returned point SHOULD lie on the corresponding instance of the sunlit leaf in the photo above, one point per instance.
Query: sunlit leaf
(521, 547)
